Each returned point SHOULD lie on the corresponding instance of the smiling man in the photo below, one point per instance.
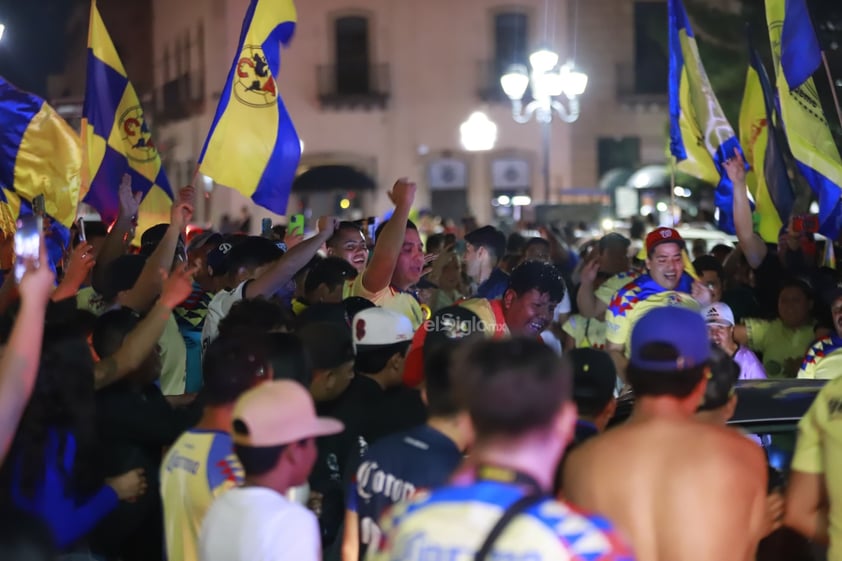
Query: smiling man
(527, 306)
(349, 243)
(665, 284)
(824, 358)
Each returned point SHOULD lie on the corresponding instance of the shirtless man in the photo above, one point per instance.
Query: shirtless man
(680, 489)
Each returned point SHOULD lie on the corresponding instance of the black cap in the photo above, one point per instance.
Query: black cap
(451, 324)
(327, 344)
(153, 236)
(614, 239)
(594, 379)
(488, 237)
(356, 304)
(199, 241)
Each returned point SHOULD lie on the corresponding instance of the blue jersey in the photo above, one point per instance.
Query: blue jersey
(394, 469)
(452, 523)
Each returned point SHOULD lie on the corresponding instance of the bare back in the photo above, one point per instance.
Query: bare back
(680, 490)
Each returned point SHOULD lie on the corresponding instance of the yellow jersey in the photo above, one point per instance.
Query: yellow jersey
(389, 298)
(823, 360)
(199, 467)
(818, 451)
(639, 297)
(783, 348)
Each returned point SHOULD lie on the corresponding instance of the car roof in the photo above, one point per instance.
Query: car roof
(758, 401)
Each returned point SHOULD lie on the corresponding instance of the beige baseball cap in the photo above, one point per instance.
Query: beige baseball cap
(277, 413)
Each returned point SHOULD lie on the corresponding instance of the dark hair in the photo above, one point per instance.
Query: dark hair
(540, 276)
(673, 383)
(344, 225)
(510, 387)
(721, 249)
(441, 398)
(535, 241)
(93, 229)
(25, 537)
(795, 282)
(374, 360)
(434, 241)
(61, 405)
(304, 272)
(233, 364)
(332, 272)
(252, 257)
(724, 373)
(515, 244)
(410, 225)
(254, 314)
(111, 329)
(288, 358)
(709, 263)
(257, 461)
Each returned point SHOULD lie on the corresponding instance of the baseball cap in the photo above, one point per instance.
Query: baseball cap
(488, 237)
(205, 238)
(681, 328)
(447, 325)
(217, 259)
(614, 239)
(719, 314)
(594, 378)
(277, 413)
(377, 327)
(327, 344)
(663, 235)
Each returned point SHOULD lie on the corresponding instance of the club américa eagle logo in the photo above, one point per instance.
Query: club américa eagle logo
(136, 136)
(253, 82)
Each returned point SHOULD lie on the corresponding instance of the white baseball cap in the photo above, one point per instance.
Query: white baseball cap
(379, 326)
(719, 314)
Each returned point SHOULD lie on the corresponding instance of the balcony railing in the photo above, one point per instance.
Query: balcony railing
(180, 98)
(631, 91)
(349, 86)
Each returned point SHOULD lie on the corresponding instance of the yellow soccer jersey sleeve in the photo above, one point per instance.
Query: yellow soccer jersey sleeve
(823, 360)
(389, 298)
(757, 330)
(609, 288)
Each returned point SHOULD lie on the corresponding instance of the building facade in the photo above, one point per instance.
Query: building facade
(378, 90)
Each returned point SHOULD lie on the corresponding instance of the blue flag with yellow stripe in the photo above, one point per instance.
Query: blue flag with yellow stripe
(796, 56)
(252, 145)
(701, 139)
(39, 154)
(116, 138)
(766, 152)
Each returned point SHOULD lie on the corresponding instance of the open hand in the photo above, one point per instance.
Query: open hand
(80, 263)
(735, 167)
(402, 194)
(702, 294)
(129, 202)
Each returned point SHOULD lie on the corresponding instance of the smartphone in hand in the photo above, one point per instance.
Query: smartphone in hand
(27, 243)
(296, 225)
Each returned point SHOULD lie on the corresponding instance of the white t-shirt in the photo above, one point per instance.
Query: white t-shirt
(258, 524)
(563, 308)
(218, 308)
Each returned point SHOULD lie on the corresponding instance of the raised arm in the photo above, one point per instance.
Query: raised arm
(142, 339)
(378, 274)
(19, 363)
(589, 305)
(80, 263)
(148, 286)
(753, 246)
(293, 261)
(120, 235)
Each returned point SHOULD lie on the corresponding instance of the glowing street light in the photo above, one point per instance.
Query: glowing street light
(2, 29)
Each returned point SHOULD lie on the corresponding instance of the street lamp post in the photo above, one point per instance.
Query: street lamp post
(548, 85)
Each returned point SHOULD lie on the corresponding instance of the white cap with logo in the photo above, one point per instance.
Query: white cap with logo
(378, 326)
(719, 314)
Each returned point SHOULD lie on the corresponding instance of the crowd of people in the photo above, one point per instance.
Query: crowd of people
(409, 396)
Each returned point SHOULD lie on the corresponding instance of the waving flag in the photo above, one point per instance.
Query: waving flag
(252, 145)
(795, 52)
(701, 139)
(765, 147)
(116, 138)
(39, 154)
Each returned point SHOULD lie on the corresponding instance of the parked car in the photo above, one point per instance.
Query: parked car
(768, 411)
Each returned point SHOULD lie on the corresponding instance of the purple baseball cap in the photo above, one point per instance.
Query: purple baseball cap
(682, 328)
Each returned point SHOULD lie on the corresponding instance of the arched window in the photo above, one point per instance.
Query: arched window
(353, 67)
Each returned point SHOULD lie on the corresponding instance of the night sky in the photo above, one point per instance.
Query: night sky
(33, 44)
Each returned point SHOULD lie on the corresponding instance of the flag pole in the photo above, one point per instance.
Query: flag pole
(832, 88)
(672, 190)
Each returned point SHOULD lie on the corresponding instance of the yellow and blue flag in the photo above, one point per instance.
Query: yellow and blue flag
(796, 54)
(765, 148)
(252, 145)
(116, 138)
(701, 139)
(39, 154)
